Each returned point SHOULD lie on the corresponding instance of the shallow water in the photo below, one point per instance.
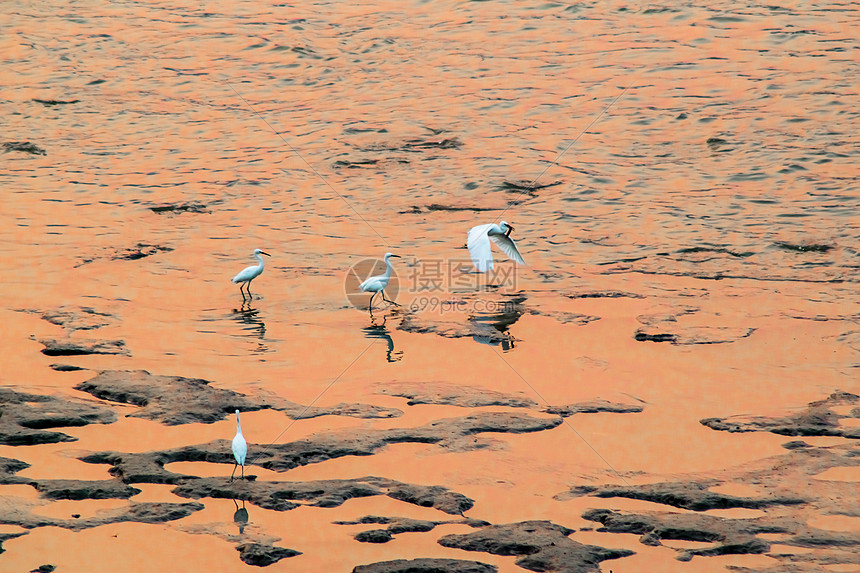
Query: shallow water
(706, 160)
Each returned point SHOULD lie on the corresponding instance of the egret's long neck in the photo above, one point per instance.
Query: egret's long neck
(259, 258)
(388, 268)
(238, 425)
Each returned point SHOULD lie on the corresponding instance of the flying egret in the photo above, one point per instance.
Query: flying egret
(240, 448)
(250, 273)
(479, 244)
(378, 283)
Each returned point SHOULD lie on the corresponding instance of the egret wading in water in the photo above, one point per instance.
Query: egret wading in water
(240, 448)
(250, 273)
(378, 283)
(479, 244)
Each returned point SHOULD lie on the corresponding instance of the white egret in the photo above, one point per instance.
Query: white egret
(250, 273)
(240, 448)
(479, 244)
(378, 283)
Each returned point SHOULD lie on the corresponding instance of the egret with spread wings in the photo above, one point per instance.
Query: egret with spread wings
(479, 244)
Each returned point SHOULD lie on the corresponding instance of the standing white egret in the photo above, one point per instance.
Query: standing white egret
(479, 244)
(250, 273)
(240, 448)
(378, 283)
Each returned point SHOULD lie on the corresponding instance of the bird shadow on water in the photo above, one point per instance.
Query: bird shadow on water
(240, 516)
(380, 332)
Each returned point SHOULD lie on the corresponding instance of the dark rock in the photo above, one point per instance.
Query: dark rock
(134, 512)
(262, 555)
(175, 400)
(24, 147)
(803, 248)
(692, 495)
(81, 347)
(44, 568)
(540, 545)
(8, 536)
(593, 407)
(446, 143)
(354, 164)
(72, 319)
(83, 489)
(397, 525)
(732, 536)
(53, 102)
(603, 294)
(453, 395)
(697, 335)
(284, 496)
(524, 186)
(818, 419)
(426, 566)
(24, 418)
(374, 536)
(66, 367)
(179, 208)
(140, 251)
(662, 337)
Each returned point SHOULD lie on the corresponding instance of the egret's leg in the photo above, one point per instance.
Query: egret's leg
(370, 304)
(385, 299)
(241, 290)
(243, 471)
(233, 472)
(249, 290)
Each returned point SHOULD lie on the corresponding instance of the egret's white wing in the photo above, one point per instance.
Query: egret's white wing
(509, 247)
(247, 274)
(479, 247)
(240, 449)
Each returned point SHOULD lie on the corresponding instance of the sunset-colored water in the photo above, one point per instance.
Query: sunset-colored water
(700, 165)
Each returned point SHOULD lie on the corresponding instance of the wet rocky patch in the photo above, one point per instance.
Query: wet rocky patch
(397, 525)
(263, 555)
(175, 400)
(695, 335)
(475, 397)
(287, 495)
(55, 102)
(81, 347)
(74, 318)
(456, 434)
(804, 247)
(426, 565)
(789, 489)
(602, 294)
(538, 546)
(176, 208)
(525, 186)
(26, 418)
(23, 147)
(817, 419)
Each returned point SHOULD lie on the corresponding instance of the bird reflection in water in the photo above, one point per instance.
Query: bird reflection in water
(240, 517)
(252, 321)
(379, 331)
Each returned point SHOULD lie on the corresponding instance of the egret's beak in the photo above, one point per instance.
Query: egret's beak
(508, 234)
(267, 254)
(398, 256)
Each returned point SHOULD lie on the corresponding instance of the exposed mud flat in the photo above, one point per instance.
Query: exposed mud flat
(669, 385)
